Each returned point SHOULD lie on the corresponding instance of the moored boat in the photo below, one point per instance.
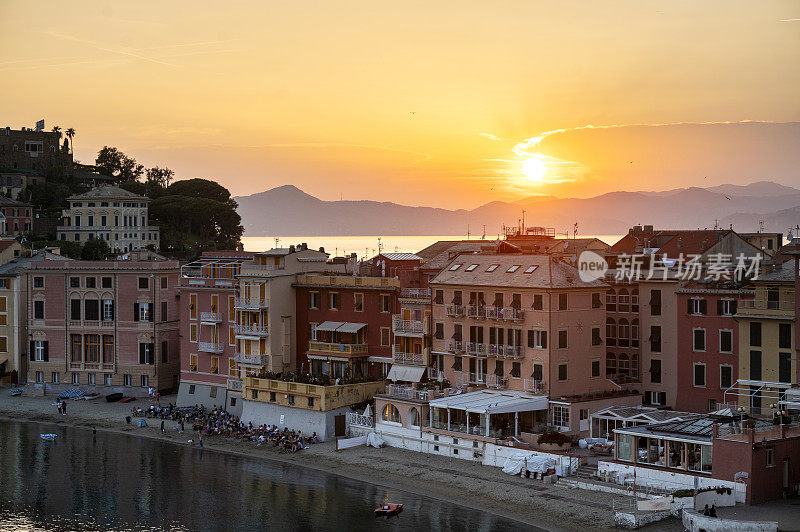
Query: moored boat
(48, 437)
(113, 397)
(388, 510)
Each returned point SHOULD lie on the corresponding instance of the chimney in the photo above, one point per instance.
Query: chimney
(321, 249)
(303, 246)
(291, 249)
(239, 247)
(648, 228)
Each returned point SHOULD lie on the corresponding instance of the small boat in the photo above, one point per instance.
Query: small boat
(113, 397)
(48, 437)
(127, 399)
(91, 396)
(388, 510)
(17, 392)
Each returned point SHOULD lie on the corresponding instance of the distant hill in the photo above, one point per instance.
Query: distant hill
(287, 210)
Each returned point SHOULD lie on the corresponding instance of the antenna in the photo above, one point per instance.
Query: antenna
(276, 241)
(522, 228)
(484, 232)
(575, 231)
(380, 246)
(467, 231)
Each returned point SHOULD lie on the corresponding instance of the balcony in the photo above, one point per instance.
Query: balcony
(210, 347)
(235, 385)
(455, 346)
(251, 303)
(782, 305)
(403, 327)
(435, 374)
(337, 348)
(251, 330)
(254, 360)
(210, 317)
(454, 310)
(478, 349)
(476, 311)
(410, 393)
(415, 293)
(416, 359)
(505, 313)
(296, 394)
(496, 381)
(504, 351)
(533, 385)
(469, 379)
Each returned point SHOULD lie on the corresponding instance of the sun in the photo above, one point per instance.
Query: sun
(534, 169)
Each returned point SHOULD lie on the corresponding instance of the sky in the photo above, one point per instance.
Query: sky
(448, 104)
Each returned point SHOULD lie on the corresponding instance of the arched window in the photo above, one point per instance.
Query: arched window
(611, 300)
(413, 417)
(611, 331)
(624, 364)
(390, 413)
(611, 365)
(623, 333)
(624, 300)
(635, 333)
(635, 300)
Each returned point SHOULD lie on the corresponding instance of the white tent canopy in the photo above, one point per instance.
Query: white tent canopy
(400, 372)
(329, 325)
(492, 402)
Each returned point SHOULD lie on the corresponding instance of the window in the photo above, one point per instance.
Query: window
(91, 282)
(164, 283)
(231, 367)
(726, 307)
(385, 336)
(92, 348)
(611, 331)
(90, 378)
(313, 300)
(492, 267)
(144, 283)
(38, 310)
(386, 303)
(538, 302)
(755, 365)
(214, 365)
(74, 282)
(562, 372)
(291, 398)
(454, 267)
(390, 414)
(785, 335)
(164, 352)
(145, 381)
(108, 349)
(75, 309)
(108, 310)
(611, 300)
(561, 416)
(273, 397)
(55, 377)
(755, 333)
(562, 339)
(596, 338)
(192, 332)
(696, 306)
(700, 375)
(457, 366)
(438, 297)
(562, 301)
(516, 369)
(91, 310)
(310, 402)
(513, 268)
(531, 269)
(785, 367)
(439, 331)
(127, 379)
(699, 339)
(655, 302)
(358, 302)
(537, 339)
(38, 282)
(595, 368)
(725, 376)
(471, 267)
(146, 354)
(39, 377)
(333, 300)
(597, 301)
(611, 364)
(163, 311)
(769, 455)
(144, 311)
(725, 341)
(655, 371)
(655, 338)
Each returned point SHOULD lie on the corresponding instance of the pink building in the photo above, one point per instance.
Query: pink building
(209, 371)
(106, 326)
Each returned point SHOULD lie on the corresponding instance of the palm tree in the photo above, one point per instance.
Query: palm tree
(56, 129)
(70, 133)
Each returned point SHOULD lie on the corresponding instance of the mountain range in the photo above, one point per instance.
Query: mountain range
(289, 211)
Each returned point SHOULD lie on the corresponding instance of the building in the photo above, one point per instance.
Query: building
(210, 375)
(112, 214)
(345, 324)
(29, 149)
(14, 307)
(13, 182)
(768, 243)
(16, 217)
(103, 325)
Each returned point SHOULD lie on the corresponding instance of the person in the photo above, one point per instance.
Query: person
(162, 426)
(94, 431)
(201, 439)
(713, 511)
(63, 408)
(158, 397)
(58, 404)
(705, 510)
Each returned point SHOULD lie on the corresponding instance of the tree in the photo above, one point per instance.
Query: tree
(71, 133)
(112, 162)
(70, 249)
(202, 188)
(48, 194)
(95, 249)
(56, 129)
(159, 177)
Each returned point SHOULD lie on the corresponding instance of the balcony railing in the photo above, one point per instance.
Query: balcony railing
(407, 326)
(435, 374)
(463, 378)
(401, 357)
(210, 347)
(763, 304)
(454, 310)
(345, 349)
(496, 381)
(409, 392)
(415, 293)
(210, 317)
(504, 351)
(505, 313)
(235, 385)
(476, 311)
(475, 348)
(251, 303)
(533, 385)
(455, 346)
(258, 360)
(251, 330)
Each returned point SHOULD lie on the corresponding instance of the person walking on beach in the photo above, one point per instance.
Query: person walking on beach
(58, 404)
(201, 439)
(162, 426)
(63, 408)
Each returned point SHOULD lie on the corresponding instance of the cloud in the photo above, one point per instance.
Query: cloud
(790, 20)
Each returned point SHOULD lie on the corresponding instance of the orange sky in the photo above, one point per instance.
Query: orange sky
(417, 102)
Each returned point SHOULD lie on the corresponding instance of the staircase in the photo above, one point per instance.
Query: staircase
(587, 471)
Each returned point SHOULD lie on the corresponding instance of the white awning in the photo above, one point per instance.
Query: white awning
(329, 325)
(400, 372)
(492, 402)
(349, 327)
(312, 356)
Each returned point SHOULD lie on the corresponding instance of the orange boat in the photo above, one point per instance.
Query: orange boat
(388, 510)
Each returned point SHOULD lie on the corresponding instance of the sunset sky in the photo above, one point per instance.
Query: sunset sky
(444, 103)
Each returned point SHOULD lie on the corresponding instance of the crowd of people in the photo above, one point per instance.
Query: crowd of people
(218, 422)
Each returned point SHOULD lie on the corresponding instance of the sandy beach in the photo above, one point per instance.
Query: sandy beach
(485, 488)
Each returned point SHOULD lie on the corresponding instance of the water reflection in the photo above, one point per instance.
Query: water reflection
(111, 481)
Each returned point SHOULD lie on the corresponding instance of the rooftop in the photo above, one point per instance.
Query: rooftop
(63, 263)
(492, 402)
(108, 192)
(16, 265)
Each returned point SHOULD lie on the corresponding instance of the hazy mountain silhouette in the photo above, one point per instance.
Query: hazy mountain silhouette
(287, 210)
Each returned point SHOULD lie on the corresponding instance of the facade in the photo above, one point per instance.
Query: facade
(103, 325)
(112, 214)
(27, 149)
(13, 182)
(210, 375)
(16, 217)
(623, 334)
(345, 324)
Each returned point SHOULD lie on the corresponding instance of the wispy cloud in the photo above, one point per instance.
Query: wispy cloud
(790, 20)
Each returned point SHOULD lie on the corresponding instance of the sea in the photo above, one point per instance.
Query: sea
(367, 246)
(112, 481)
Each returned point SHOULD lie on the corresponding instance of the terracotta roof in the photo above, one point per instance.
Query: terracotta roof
(784, 274)
(446, 253)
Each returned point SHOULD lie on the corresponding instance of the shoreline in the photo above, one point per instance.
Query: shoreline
(454, 481)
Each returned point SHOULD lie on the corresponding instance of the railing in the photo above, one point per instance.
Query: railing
(505, 351)
(400, 325)
(346, 349)
(454, 310)
(251, 303)
(479, 349)
(415, 293)
(463, 378)
(210, 347)
(455, 346)
(400, 357)
(408, 392)
(512, 313)
(435, 374)
(762, 304)
(258, 360)
(492, 313)
(532, 385)
(476, 311)
(360, 420)
(252, 330)
(211, 317)
(235, 385)
(496, 381)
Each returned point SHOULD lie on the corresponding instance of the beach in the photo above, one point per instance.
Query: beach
(536, 503)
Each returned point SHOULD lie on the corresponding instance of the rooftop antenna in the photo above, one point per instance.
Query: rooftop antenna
(575, 231)
(484, 232)
(467, 231)
(380, 246)
(276, 242)
(761, 226)
(522, 227)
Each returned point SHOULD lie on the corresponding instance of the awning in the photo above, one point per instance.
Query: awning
(329, 325)
(492, 402)
(349, 327)
(400, 372)
(328, 358)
